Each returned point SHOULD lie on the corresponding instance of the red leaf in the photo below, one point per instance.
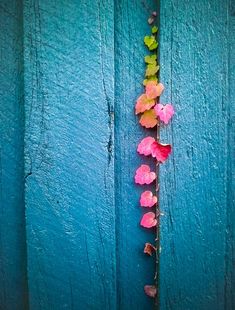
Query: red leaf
(149, 119)
(148, 220)
(143, 175)
(150, 290)
(154, 90)
(143, 103)
(160, 151)
(144, 146)
(149, 249)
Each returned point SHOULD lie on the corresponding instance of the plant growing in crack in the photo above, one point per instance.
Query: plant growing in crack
(152, 115)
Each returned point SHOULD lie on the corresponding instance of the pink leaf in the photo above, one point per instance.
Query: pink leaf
(154, 90)
(143, 175)
(149, 119)
(149, 249)
(165, 113)
(147, 199)
(144, 146)
(160, 151)
(143, 103)
(148, 220)
(150, 290)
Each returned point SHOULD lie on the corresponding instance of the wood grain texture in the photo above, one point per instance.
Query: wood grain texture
(197, 259)
(83, 65)
(230, 245)
(13, 284)
(134, 268)
(69, 98)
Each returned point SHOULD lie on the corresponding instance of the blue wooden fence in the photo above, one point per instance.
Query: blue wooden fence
(197, 65)
(69, 214)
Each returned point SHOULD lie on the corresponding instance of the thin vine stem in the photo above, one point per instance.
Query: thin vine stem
(158, 210)
(157, 240)
(152, 114)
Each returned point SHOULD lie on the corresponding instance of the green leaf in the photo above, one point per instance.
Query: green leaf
(149, 40)
(149, 79)
(150, 59)
(153, 46)
(152, 69)
(154, 29)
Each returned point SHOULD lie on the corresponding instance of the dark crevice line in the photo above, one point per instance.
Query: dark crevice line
(110, 108)
(158, 207)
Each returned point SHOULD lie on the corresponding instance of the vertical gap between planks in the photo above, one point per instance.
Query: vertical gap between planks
(158, 208)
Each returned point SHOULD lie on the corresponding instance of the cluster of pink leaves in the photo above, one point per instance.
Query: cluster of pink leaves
(153, 111)
(149, 146)
(152, 114)
(144, 175)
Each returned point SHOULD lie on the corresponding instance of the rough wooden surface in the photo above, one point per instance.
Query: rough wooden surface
(83, 65)
(230, 241)
(197, 66)
(13, 287)
(69, 100)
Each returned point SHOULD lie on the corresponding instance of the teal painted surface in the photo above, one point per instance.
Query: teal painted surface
(230, 254)
(68, 125)
(197, 66)
(13, 285)
(79, 226)
(69, 191)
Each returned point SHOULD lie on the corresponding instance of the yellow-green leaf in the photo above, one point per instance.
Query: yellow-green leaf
(150, 59)
(152, 69)
(153, 46)
(154, 29)
(149, 40)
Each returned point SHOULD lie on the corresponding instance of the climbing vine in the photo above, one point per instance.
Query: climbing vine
(152, 115)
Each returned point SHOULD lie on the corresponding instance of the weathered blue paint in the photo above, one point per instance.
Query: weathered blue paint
(69, 191)
(13, 284)
(197, 232)
(230, 244)
(83, 65)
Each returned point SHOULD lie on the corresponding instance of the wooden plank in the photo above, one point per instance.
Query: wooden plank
(134, 268)
(195, 195)
(13, 283)
(230, 238)
(69, 103)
